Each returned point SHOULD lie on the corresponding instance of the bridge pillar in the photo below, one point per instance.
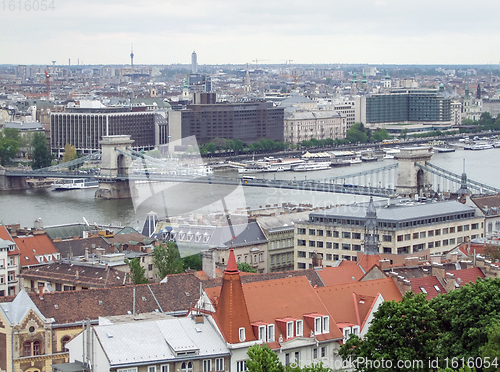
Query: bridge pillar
(412, 180)
(113, 166)
(12, 183)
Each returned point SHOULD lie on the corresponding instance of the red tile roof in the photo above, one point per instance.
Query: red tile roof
(4, 234)
(340, 274)
(34, 246)
(367, 261)
(350, 303)
(464, 276)
(430, 285)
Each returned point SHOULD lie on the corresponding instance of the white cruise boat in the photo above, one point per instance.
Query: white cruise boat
(481, 146)
(312, 166)
(74, 184)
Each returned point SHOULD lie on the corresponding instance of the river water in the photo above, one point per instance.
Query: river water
(73, 206)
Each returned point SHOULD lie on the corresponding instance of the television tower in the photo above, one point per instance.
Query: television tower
(132, 57)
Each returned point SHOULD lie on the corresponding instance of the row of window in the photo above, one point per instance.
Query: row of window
(209, 365)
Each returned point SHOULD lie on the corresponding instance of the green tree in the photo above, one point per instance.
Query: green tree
(262, 359)
(137, 272)
(42, 157)
(166, 259)
(9, 145)
(357, 133)
(466, 315)
(238, 146)
(243, 266)
(192, 262)
(380, 135)
(211, 148)
(492, 348)
(404, 330)
(403, 134)
(69, 153)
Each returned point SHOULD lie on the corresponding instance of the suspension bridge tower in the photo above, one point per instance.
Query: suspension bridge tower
(413, 180)
(114, 168)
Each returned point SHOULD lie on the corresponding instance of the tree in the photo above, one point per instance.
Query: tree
(380, 135)
(69, 153)
(9, 145)
(492, 348)
(192, 262)
(405, 330)
(136, 271)
(466, 315)
(492, 252)
(243, 266)
(403, 134)
(262, 359)
(166, 259)
(357, 134)
(41, 154)
(211, 148)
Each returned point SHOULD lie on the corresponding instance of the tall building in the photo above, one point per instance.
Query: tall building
(414, 106)
(194, 63)
(249, 122)
(84, 128)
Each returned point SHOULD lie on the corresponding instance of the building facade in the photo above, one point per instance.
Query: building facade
(84, 128)
(338, 233)
(304, 125)
(425, 106)
(248, 122)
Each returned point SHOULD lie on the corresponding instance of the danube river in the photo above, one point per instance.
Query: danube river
(73, 206)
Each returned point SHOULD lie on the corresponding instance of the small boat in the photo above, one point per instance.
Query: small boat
(368, 157)
(388, 156)
(481, 146)
(74, 184)
(356, 160)
(444, 149)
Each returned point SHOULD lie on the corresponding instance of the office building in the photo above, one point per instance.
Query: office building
(248, 121)
(85, 127)
(406, 106)
(403, 228)
(194, 63)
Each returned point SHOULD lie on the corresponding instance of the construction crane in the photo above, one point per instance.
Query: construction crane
(257, 61)
(47, 82)
(295, 77)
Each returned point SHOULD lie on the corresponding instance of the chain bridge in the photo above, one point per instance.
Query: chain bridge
(118, 167)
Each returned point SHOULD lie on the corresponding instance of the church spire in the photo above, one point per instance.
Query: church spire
(371, 230)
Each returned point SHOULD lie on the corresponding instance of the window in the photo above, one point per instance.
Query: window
(474, 226)
(430, 245)
(326, 324)
(335, 234)
(356, 235)
(452, 241)
(301, 265)
(315, 353)
(27, 349)
(387, 238)
(270, 333)
(328, 244)
(399, 238)
(312, 243)
(301, 231)
(387, 250)
(346, 247)
(445, 242)
(164, 368)
(422, 235)
(356, 247)
(323, 351)
(299, 328)
(466, 227)
(207, 365)
(320, 232)
(312, 232)
(36, 348)
(151, 368)
(64, 341)
(301, 242)
(452, 230)
(437, 232)
(445, 231)
(329, 233)
(301, 254)
(287, 359)
(328, 256)
(289, 329)
(240, 366)
(407, 236)
(219, 364)
(187, 367)
(297, 357)
(150, 267)
(346, 235)
(242, 334)
(460, 228)
(317, 325)
(262, 333)
(415, 235)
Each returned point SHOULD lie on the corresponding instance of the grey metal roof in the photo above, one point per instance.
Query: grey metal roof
(33, 125)
(17, 310)
(282, 221)
(398, 213)
(159, 340)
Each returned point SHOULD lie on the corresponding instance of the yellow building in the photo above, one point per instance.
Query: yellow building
(403, 228)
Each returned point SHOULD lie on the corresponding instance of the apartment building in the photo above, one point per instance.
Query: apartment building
(403, 228)
(303, 125)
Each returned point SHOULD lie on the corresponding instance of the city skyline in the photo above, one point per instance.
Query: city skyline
(225, 32)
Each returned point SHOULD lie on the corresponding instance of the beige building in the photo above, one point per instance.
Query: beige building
(303, 125)
(403, 228)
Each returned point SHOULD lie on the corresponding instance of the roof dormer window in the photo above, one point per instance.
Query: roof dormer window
(299, 329)
(326, 324)
(242, 334)
(270, 332)
(317, 325)
(289, 329)
(262, 333)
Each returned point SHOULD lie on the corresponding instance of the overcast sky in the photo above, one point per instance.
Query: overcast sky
(235, 31)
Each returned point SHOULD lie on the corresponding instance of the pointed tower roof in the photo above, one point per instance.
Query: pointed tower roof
(463, 190)
(371, 231)
(232, 312)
